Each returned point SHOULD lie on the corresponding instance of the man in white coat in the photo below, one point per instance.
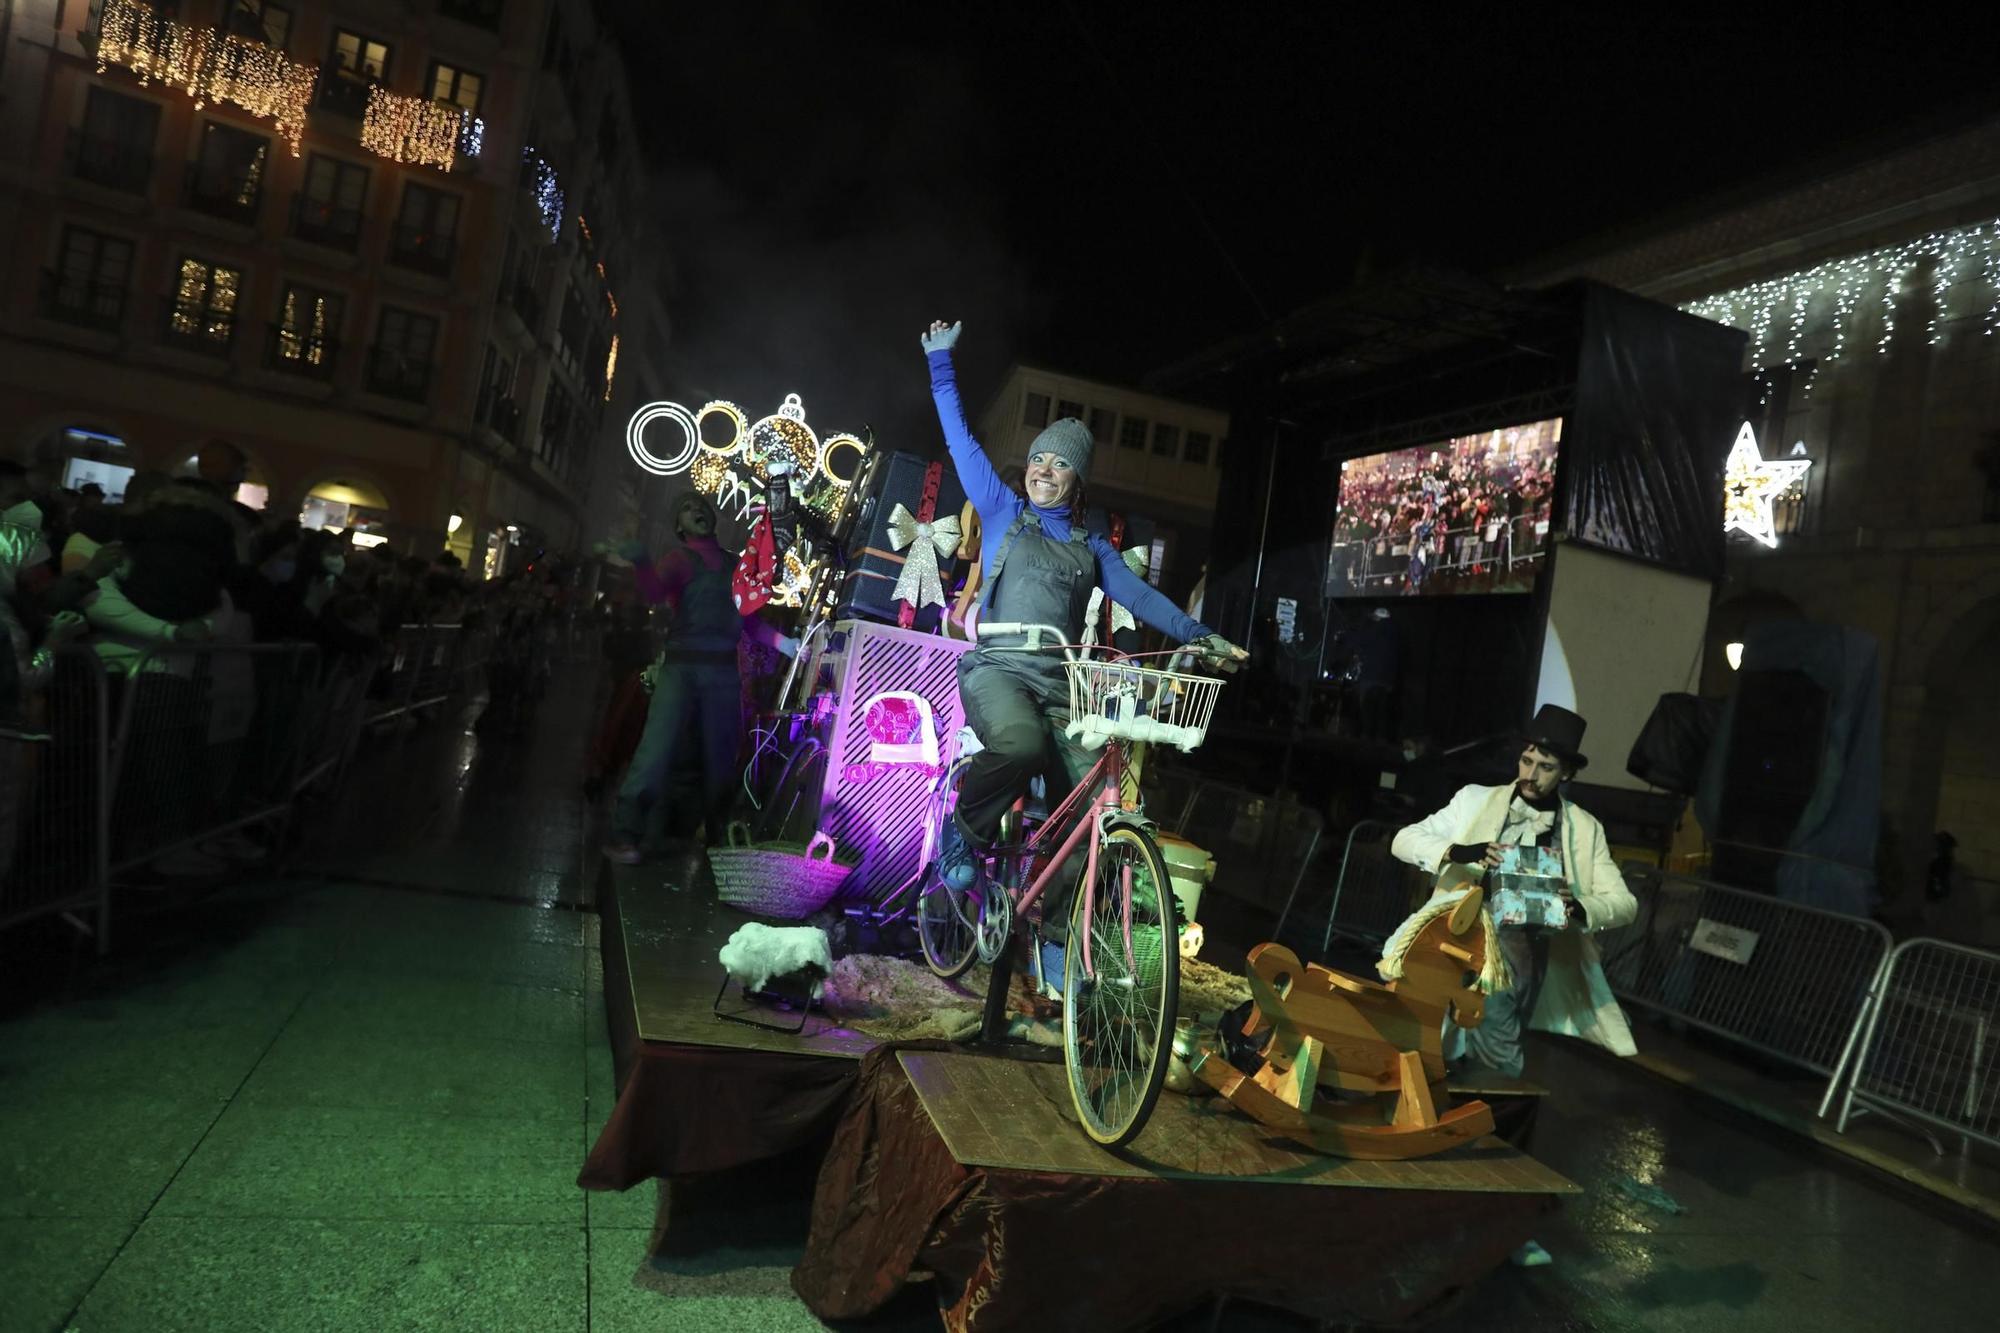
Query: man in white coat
(1559, 985)
(1558, 982)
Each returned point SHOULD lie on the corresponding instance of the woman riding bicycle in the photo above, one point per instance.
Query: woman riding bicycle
(1040, 568)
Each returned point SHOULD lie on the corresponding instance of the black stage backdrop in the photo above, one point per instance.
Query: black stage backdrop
(1658, 400)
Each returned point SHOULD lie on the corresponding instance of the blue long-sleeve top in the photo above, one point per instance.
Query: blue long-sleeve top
(998, 507)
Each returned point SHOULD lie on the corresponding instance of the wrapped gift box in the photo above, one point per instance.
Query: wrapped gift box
(1526, 888)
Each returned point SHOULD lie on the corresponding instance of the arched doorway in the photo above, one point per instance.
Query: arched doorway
(348, 504)
(1955, 777)
(255, 490)
(74, 456)
(1729, 623)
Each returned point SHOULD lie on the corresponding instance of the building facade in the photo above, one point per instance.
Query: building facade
(380, 247)
(1871, 294)
(1156, 459)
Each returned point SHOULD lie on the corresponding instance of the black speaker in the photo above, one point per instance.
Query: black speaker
(1770, 771)
(872, 567)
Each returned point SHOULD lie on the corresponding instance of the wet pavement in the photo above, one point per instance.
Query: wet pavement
(357, 1098)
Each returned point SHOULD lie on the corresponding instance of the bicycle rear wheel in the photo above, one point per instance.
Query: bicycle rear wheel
(948, 926)
(1118, 1025)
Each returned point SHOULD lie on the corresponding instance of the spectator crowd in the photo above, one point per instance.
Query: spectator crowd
(1474, 508)
(180, 566)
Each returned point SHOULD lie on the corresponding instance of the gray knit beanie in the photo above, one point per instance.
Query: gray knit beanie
(1068, 439)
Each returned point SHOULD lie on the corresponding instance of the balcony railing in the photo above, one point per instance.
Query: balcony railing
(500, 412)
(422, 249)
(194, 327)
(324, 223)
(114, 164)
(216, 194)
(84, 302)
(479, 13)
(343, 94)
(293, 353)
(393, 373)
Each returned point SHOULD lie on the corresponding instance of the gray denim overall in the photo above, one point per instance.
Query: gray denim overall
(1018, 703)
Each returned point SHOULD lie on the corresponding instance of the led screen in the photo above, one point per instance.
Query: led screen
(1469, 514)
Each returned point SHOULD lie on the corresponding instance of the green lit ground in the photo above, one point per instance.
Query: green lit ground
(360, 1102)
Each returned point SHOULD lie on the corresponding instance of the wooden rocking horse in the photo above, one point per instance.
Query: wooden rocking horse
(1384, 1039)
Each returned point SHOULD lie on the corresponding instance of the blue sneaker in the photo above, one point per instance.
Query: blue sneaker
(957, 866)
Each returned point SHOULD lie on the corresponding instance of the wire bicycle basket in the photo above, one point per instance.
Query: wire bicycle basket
(1117, 699)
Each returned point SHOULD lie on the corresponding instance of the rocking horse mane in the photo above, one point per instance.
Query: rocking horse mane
(1430, 926)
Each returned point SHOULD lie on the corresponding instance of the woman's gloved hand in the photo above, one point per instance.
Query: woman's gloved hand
(787, 645)
(942, 336)
(1219, 652)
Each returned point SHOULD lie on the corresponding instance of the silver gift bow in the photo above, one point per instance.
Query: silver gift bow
(920, 584)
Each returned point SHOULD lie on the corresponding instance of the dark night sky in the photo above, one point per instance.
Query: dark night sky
(1107, 188)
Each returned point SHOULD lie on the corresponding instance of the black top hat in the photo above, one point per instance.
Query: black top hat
(1559, 732)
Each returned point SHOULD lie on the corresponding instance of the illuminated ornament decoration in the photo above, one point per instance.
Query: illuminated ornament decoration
(412, 129)
(1749, 484)
(213, 67)
(541, 181)
(739, 426)
(785, 435)
(635, 438)
(832, 445)
(1822, 304)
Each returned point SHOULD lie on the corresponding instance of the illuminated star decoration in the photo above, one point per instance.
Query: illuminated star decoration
(1749, 484)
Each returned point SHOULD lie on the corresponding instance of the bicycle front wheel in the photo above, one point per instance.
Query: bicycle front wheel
(1118, 1023)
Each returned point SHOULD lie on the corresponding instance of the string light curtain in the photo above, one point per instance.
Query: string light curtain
(417, 129)
(211, 66)
(1830, 294)
(542, 182)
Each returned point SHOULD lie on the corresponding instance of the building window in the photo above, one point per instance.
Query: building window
(228, 178)
(1780, 414)
(479, 13)
(1197, 447)
(555, 425)
(460, 87)
(1035, 412)
(258, 21)
(1065, 408)
(354, 63)
(1102, 422)
(87, 285)
(329, 207)
(307, 333)
(497, 408)
(114, 145)
(201, 314)
(1166, 441)
(426, 230)
(1132, 433)
(400, 364)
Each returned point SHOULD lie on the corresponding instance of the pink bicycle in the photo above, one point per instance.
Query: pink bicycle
(1121, 963)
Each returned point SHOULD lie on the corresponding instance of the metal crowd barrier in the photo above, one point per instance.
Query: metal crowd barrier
(54, 836)
(422, 671)
(1927, 1046)
(1261, 844)
(206, 740)
(1374, 891)
(1504, 543)
(1776, 977)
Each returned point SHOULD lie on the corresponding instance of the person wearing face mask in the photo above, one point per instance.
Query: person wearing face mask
(696, 686)
(1039, 566)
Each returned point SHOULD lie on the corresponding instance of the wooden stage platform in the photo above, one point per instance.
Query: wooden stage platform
(944, 1158)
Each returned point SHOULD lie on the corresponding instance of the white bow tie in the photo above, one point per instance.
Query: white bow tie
(1539, 821)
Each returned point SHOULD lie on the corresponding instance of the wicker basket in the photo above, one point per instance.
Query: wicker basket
(787, 881)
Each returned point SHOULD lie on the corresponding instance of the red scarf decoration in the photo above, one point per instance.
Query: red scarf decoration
(757, 571)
